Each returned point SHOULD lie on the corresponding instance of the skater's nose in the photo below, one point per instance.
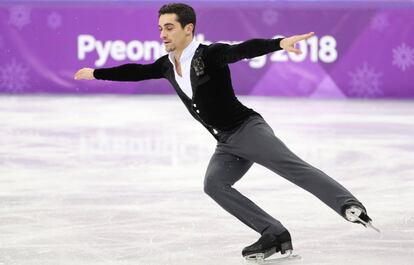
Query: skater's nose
(163, 34)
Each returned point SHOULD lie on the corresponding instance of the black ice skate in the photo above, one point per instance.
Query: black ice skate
(357, 214)
(269, 244)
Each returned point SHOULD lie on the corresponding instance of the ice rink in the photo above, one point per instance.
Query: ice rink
(119, 180)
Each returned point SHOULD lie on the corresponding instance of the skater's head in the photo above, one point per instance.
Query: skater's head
(176, 23)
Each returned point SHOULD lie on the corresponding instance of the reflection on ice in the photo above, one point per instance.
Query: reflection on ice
(118, 180)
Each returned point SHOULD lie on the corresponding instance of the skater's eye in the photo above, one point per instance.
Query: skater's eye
(167, 28)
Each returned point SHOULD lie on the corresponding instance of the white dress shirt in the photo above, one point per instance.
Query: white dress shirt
(185, 62)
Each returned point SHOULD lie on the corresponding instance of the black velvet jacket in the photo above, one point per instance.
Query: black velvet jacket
(214, 103)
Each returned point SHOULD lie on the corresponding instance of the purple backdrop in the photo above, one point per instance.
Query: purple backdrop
(357, 52)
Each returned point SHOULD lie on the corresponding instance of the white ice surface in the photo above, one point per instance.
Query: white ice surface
(119, 180)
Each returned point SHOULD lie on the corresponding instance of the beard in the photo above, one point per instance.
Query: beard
(169, 48)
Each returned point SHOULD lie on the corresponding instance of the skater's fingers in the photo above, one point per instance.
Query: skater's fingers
(84, 73)
(77, 75)
(303, 36)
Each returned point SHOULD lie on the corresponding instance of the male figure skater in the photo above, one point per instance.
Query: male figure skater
(201, 77)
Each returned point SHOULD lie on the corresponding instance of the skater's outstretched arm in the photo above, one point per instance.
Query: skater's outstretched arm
(125, 72)
(223, 54)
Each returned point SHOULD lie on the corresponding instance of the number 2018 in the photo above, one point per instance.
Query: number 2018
(323, 49)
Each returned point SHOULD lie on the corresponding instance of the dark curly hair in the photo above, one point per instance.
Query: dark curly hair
(185, 13)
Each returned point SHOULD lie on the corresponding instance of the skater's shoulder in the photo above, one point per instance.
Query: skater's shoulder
(163, 61)
(215, 45)
(213, 48)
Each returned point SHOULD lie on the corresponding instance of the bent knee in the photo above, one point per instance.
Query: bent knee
(212, 188)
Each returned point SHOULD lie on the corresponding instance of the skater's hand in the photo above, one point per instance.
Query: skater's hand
(84, 73)
(288, 44)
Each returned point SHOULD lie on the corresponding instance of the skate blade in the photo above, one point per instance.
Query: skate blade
(369, 224)
(259, 258)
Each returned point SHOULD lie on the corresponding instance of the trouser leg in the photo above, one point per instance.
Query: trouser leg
(257, 142)
(223, 171)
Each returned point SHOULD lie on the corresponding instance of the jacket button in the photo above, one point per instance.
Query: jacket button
(215, 131)
(198, 111)
(195, 105)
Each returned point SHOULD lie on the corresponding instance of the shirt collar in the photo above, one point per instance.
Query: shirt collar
(188, 52)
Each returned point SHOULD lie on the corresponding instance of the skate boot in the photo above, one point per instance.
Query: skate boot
(269, 244)
(357, 214)
(266, 246)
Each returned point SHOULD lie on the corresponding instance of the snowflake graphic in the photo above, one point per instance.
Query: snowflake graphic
(54, 20)
(380, 22)
(19, 16)
(365, 82)
(403, 56)
(270, 17)
(13, 77)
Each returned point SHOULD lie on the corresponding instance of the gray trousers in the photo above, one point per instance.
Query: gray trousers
(255, 141)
